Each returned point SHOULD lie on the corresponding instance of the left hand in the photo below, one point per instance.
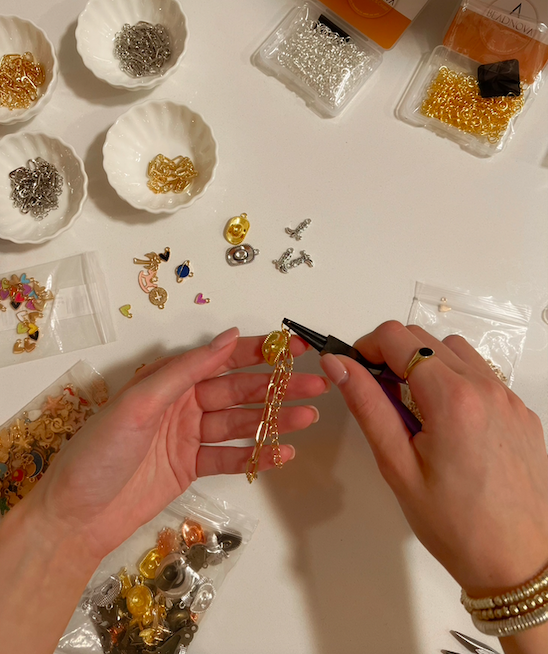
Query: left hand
(160, 433)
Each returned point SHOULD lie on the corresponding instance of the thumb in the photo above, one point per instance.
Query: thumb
(377, 418)
(172, 380)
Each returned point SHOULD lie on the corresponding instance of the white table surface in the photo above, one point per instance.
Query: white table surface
(333, 566)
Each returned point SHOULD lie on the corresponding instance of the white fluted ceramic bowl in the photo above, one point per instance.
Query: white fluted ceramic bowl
(147, 130)
(15, 151)
(18, 36)
(101, 20)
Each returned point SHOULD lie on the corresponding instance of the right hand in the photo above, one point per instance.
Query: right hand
(473, 484)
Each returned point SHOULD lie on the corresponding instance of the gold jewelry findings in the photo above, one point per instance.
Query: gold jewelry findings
(420, 355)
(20, 78)
(170, 175)
(516, 610)
(454, 99)
(276, 351)
(148, 280)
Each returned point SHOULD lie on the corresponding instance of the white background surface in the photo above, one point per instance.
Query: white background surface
(333, 566)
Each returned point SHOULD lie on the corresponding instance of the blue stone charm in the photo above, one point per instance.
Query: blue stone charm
(183, 271)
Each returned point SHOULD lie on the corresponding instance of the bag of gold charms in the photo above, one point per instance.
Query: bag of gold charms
(475, 87)
(32, 437)
(52, 308)
(151, 594)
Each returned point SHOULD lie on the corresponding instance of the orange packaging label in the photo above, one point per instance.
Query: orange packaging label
(495, 31)
(383, 21)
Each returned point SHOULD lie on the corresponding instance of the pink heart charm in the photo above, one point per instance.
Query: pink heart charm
(4, 295)
(30, 305)
(27, 289)
(200, 299)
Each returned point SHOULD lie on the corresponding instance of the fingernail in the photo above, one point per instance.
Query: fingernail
(334, 369)
(292, 456)
(316, 413)
(224, 339)
(327, 385)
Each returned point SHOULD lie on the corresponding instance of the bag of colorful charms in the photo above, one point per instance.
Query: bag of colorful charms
(151, 594)
(53, 308)
(31, 438)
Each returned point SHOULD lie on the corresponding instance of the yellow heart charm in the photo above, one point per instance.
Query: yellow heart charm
(126, 311)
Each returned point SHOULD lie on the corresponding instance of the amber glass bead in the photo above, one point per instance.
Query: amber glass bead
(236, 229)
(192, 533)
(273, 344)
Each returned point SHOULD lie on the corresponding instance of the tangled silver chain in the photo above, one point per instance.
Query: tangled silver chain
(36, 188)
(327, 63)
(142, 49)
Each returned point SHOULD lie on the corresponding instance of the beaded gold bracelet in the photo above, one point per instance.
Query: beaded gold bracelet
(508, 613)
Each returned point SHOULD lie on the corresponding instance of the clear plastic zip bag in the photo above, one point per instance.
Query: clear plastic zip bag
(497, 330)
(31, 438)
(53, 308)
(151, 594)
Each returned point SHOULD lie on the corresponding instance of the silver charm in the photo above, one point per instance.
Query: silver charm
(297, 233)
(240, 254)
(203, 597)
(106, 594)
(285, 263)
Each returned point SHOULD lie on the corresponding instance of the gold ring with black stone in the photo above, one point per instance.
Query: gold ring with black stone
(420, 355)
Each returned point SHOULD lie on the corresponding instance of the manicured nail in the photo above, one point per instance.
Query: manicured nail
(334, 369)
(292, 453)
(224, 339)
(316, 413)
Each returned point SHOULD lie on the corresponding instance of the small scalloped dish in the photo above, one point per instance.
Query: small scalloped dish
(15, 151)
(18, 36)
(101, 20)
(147, 130)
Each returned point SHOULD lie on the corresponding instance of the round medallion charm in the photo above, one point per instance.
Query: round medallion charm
(158, 297)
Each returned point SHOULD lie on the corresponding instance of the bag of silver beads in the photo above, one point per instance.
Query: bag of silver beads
(320, 57)
(151, 594)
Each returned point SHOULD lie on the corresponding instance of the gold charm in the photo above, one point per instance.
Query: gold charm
(276, 351)
(148, 280)
(158, 297)
(236, 229)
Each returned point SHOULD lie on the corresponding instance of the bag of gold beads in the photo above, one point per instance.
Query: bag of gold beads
(152, 593)
(31, 438)
(474, 88)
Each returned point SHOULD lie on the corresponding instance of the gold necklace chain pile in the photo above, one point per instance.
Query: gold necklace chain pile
(454, 99)
(170, 175)
(277, 353)
(20, 78)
